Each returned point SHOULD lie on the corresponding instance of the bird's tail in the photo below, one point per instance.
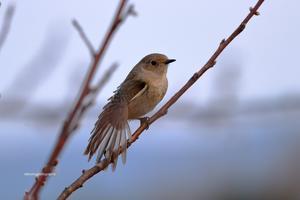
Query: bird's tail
(111, 132)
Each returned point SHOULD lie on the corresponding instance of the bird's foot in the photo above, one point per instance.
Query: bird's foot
(145, 120)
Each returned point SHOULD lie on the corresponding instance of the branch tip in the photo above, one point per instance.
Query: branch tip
(84, 38)
(131, 10)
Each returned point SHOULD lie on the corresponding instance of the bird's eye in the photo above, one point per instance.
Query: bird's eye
(153, 62)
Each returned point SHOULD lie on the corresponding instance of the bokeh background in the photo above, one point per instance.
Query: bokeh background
(234, 135)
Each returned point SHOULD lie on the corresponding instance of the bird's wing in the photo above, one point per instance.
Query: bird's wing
(133, 89)
(140, 93)
(111, 130)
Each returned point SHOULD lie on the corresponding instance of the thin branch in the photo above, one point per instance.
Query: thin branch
(129, 12)
(87, 174)
(84, 37)
(95, 90)
(72, 120)
(105, 78)
(9, 13)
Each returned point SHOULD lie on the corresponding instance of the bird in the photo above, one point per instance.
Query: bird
(143, 88)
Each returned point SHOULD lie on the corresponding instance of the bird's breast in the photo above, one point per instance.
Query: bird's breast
(147, 102)
(157, 90)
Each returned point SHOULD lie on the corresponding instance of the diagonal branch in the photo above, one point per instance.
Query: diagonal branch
(9, 13)
(95, 90)
(72, 120)
(105, 78)
(84, 37)
(87, 174)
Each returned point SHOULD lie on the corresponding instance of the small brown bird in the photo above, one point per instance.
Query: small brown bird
(142, 90)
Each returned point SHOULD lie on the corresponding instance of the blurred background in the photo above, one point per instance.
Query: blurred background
(234, 135)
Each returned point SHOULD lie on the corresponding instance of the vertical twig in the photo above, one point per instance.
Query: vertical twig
(87, 174)
(8, 16)
(72, 121)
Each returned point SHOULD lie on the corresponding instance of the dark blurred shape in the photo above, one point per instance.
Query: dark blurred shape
(224, 99)
(9, 13)
(34, 73)
(227, 83)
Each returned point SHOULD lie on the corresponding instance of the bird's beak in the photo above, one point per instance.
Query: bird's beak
(169, 61)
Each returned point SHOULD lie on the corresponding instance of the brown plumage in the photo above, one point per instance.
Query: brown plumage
(141, 91)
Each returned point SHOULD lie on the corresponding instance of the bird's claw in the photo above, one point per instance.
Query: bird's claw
(145, 120)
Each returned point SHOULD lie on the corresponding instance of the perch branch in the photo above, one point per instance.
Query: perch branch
(87, 174)
(72, 121)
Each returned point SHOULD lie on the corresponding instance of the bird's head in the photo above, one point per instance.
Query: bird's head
(156, 62)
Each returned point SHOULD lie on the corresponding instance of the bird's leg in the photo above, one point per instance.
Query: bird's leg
(144, 120)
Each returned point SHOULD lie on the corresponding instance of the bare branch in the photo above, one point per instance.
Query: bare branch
(9, 13)
(72, 120)
(105, 78)
(87, 174)
(94, 91)
(84, 37)
(129, 12)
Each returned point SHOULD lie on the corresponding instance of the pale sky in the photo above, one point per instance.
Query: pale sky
(186, 30)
